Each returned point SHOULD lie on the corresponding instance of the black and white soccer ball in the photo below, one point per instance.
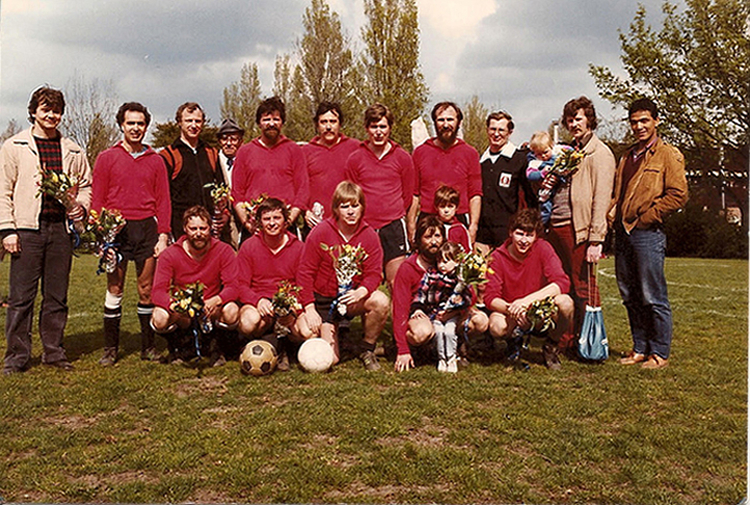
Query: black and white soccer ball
(258, 358)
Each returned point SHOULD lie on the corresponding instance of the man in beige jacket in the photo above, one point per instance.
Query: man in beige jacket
(37, 229)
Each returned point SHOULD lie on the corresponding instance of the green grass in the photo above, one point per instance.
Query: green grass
(142, 432)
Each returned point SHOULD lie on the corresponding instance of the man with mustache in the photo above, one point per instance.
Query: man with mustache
(270, 164)
(447, 160)
(191, 164)
(195, 257)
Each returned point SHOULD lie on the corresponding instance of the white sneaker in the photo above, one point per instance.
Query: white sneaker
(442, 366)
(452, 366)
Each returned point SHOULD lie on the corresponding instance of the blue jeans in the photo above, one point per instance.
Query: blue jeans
(45, 254)
(639, 266)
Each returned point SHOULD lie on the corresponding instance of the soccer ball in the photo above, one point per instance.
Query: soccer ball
(258, 358)
(315, 355)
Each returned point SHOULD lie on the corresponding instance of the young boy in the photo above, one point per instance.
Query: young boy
(446, 302)
(541, 157)
(446, 203)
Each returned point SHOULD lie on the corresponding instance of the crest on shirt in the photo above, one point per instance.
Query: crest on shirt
(504, 180)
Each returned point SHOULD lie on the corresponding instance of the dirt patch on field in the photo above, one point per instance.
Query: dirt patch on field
(203, 385)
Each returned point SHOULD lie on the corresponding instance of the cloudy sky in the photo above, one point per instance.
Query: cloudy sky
(527, 57)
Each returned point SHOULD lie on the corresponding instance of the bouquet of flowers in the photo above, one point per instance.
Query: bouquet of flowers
(222, 198)
(102, 230)
(251, 207)
(189, 301)
(540, 314)
(285, 303)
(347, 263)
(472, 270)
(565, 165)
(57, 185)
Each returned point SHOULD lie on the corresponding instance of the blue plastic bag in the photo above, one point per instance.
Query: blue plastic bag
(593, 344)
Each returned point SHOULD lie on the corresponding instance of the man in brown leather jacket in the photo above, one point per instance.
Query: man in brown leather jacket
(649, 184)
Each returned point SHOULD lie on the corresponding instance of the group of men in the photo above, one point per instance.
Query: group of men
(370, 194)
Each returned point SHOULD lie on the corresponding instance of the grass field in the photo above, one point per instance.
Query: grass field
(143, 432)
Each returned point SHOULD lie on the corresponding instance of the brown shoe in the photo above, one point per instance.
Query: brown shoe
(632, 358)
(655, 362)
(370, 361)
(62, 364)
(551, 358)
(282, 363)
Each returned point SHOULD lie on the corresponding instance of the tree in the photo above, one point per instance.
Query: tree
(390, 63)
(90, 112)
(241, 99)
(10, 130)
(697, 68)
(474, 124)
(324, 70)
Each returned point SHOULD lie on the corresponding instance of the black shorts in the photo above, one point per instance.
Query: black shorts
(323, 306)
(137, 240)
(393, 239)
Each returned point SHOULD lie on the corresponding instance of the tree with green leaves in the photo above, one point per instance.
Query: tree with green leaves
(697, 68)
(474, 124)
(241, 99)
(167, 132)
(390, 63)
(324, 71)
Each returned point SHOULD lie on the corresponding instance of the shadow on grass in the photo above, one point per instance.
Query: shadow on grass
(81, 344)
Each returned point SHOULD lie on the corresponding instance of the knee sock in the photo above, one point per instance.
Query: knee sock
(112, 317)
(147, 332)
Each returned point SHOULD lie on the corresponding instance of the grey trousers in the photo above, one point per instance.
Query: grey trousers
(45, 254)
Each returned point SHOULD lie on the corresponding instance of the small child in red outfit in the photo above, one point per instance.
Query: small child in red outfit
(446, 203)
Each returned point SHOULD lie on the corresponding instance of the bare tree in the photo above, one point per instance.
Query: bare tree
(10, 130)
(90, 111)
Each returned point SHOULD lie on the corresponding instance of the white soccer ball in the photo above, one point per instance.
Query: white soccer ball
(315, 355)
(258, 358)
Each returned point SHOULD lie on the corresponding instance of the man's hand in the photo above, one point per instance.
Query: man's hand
(354, 295)
(219, 222)
(313, 319)
(311, 219)
(12, 244)
(517, 310)
(212, 306)
(594, 253)
(403, 362)
(77, 212)
(473, 227)
(161, 244)
(265, 307)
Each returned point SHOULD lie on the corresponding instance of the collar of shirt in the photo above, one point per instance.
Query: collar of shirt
(636, 154)
(508, 150)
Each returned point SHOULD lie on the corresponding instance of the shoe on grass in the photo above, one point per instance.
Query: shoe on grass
(442, 365)
(282, 363)
(452, 366)
(370, 361)
(551, 358)
(655, 362)
(109, 357)
(150, 354)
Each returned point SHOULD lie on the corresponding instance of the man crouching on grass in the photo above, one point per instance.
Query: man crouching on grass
(526, 269)
(196, 257)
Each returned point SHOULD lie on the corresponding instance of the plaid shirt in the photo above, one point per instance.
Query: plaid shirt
(50, 157)
(435, 292)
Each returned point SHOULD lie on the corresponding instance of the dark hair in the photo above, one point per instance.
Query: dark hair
(445, 195)
(269, 205)
(501, 114)
(45, 95)
(135, 107)
(324, 107)
(347, 191)
(190, 107)
(571, 108)
(441, 106)
(196, 211)
(426, 223)
(269, 105)
(376, 112)
(644, 104)
(528, 220)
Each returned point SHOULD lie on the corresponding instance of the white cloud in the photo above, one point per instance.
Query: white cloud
(455, 19)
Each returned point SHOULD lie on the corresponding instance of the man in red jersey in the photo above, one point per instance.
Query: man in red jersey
(266, 259)
(385, 173)
(320, 294)
(447, 160)
(130, 177)
(526, 269)
(270, 164)
(196, 257)
(417, 330)
(326, 156)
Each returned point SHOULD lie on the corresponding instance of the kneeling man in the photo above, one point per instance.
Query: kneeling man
(526, 269)
(317, 276)
(266, 259)
(196, 257)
